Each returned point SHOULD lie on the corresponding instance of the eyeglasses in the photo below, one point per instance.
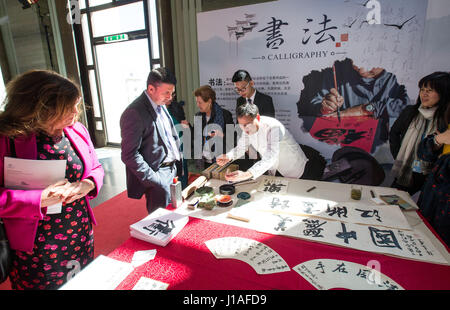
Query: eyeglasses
(240, 90)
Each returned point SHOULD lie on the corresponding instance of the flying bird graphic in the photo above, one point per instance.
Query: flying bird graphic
(350, 26)
(363, 22)
(400, 26)
(365, 4)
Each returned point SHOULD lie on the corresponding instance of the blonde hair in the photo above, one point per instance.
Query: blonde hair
(35, 98)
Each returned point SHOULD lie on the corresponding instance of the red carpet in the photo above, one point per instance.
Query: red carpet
(5, 286)
(113, 220)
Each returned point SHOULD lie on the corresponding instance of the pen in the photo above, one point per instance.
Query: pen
(311, 189)
(372, 193)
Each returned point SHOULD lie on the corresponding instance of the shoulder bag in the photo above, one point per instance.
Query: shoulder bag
(5, 254)
(5, 250)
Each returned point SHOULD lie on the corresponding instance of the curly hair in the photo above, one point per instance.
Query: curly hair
(34, 99)
(206, 93)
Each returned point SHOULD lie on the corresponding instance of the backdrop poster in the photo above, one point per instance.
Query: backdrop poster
(297, 51)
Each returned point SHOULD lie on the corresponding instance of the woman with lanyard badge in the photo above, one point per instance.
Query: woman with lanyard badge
(415, 123)
(434, 201)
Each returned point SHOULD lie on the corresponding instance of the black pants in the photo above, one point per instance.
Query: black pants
(246, 162)
(314, 167)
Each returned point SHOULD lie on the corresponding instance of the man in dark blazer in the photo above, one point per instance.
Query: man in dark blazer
(245, 87)
(150, 144)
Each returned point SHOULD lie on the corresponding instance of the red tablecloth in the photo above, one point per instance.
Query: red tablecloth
(186, 262)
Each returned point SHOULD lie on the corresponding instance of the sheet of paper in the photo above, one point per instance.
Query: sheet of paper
(362, 212)
(103, 273)
(141, 257)
(326, 274)
(147, 284)
(34, 174)
(273, 186)
(259, 256)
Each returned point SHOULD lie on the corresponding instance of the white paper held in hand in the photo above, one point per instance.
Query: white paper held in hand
(27, 174)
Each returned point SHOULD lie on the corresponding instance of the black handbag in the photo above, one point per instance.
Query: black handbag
(5, 250)
(5, 254)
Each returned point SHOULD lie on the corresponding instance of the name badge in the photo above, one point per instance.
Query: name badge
(417, 166)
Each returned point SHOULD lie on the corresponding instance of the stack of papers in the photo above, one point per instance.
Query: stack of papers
(159, 227)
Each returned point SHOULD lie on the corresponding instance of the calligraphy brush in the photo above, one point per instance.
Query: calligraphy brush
(335, 87)
(243, 181)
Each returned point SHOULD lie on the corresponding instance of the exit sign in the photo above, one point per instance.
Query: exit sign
(116, 38)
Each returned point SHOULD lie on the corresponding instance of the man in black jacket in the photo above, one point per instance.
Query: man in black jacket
(245, 87)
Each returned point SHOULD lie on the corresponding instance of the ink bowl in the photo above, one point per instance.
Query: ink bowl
(224, 201)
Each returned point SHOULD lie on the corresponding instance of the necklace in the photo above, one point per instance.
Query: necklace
(55, 138)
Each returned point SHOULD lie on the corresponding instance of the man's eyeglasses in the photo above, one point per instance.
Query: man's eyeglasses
(240, 90)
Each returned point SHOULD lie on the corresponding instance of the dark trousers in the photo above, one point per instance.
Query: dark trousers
(314, 167)
(159, 196)
(417, 182)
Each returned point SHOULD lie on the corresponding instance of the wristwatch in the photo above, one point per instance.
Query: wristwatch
(369, 107)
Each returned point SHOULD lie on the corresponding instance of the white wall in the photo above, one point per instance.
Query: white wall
(436, 45)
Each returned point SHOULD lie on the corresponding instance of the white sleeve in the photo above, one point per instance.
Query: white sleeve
(269, 158)
(240, 149)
